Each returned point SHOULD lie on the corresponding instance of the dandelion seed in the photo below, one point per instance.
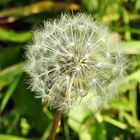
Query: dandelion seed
(77, 68)
(70, 44)
(57, 67)
(86, 56)
(88, 44)
(94, 81)
(99, 65)
(108, 55)
(72, 64)
(70, 54)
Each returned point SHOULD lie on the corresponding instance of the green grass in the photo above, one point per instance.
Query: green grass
(24, 117)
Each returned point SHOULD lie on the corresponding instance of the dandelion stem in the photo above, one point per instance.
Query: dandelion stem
(57, 118)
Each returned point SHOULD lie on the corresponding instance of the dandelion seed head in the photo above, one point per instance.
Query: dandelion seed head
(72, 64)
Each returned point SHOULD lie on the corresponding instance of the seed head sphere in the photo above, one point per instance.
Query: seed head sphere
(74, 62)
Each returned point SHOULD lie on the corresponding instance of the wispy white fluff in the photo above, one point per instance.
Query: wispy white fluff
(73, 62)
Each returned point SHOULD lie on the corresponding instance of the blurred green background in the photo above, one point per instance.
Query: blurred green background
(22, 116)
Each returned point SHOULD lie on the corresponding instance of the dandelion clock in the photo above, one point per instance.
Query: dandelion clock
(73, 62)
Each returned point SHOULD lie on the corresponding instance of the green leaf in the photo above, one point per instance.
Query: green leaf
(67, 132)
(90, 5)
(8, 74)
(9, 137)
(115, 122)
(137, 5)
(97, 128)
(133, 104)
(122, 29)
(75, 120)
(120, 103)
(85, 135)
(9, 56)
(135, 76)
(36, 8)
(9, 93)
(131, 47)
(30, 107)
(9, 35)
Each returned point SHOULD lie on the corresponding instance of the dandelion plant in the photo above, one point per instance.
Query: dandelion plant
(73, 62)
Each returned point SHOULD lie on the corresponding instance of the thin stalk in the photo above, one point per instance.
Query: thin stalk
(57, 118)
